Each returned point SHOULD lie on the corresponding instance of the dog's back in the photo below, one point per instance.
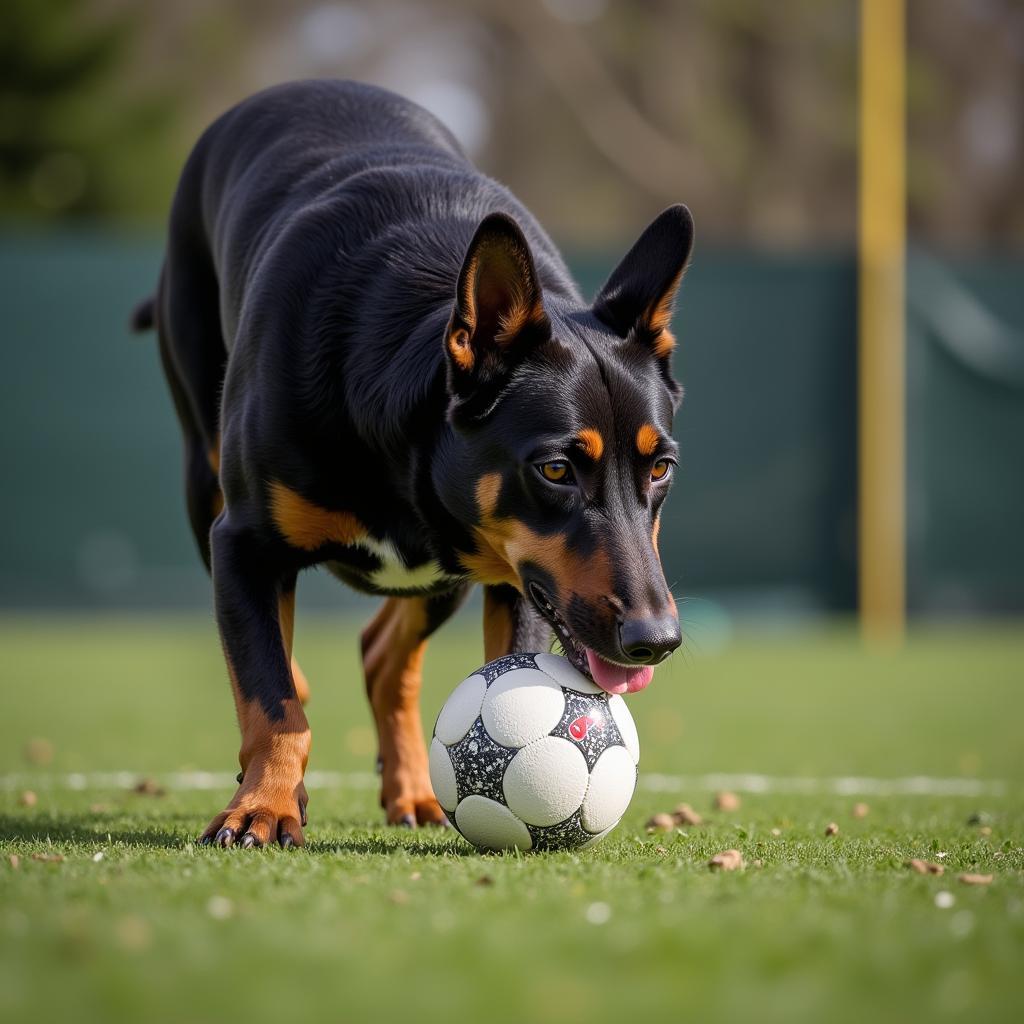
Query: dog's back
(333, 210)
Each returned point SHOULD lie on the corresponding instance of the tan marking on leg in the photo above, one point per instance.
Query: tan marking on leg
(647, 439)
(306, 525)
(499, 629)
(286, 616)
(393, 646)
(271, 798)
(592, 443)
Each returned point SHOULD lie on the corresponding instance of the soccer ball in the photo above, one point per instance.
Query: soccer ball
(529, 753)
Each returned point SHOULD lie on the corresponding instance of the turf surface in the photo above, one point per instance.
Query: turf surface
(374, 924)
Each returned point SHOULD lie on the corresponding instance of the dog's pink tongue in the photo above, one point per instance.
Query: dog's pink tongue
(615, 678)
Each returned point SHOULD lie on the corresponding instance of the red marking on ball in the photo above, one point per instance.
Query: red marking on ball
(579, 728)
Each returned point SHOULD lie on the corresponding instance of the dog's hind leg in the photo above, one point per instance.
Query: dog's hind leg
(393, 645)
(194, 357)
(286, 617)
(511, 624)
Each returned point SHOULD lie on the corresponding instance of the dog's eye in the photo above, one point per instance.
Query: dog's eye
(558, 472)
(660, 469)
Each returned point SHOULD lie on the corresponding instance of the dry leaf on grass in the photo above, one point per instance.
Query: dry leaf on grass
(39, 751)
(48, 858)
(684, 814)
(831, 829)
(15, 861)
(727, 860)
(924, 867)
(149, 787)
(860, 810)
(971, 879)
(727, 802)
(661, 823)
(28, 799)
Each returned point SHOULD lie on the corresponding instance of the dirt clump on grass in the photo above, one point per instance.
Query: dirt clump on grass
(727, 860)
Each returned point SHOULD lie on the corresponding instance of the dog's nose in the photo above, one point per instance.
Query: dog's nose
(650, 641)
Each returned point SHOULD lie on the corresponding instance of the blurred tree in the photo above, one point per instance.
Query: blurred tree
(70, 135)
(597, 112)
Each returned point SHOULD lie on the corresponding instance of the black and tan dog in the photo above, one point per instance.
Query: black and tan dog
(381, 364)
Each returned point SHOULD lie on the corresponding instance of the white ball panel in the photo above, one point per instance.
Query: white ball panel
(487, 824)
(593, 842)
(565, 675)
(442, 776)
(460, 710)
(626, 726)
(612, 781)
(546, 781)
(521, 706)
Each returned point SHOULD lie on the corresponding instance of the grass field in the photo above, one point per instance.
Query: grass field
(136, 923)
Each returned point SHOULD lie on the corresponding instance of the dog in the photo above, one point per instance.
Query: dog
(381, 364)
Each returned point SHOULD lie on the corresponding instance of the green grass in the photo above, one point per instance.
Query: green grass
(373, 924)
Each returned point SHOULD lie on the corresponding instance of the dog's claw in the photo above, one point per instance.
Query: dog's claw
(225, 837)
(248, 840)
(407, 821)
(444, 822)
(205, 840)
(286, 840)
(239, 777)
(302, 815)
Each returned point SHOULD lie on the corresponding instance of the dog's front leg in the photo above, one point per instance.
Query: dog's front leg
(270, 803)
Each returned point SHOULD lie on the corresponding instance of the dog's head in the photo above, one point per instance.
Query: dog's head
(566, 418)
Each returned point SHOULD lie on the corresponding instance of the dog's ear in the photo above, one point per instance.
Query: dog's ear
(499, 312)
(636, 301)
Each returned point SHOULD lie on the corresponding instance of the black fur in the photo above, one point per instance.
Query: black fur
(310, 290)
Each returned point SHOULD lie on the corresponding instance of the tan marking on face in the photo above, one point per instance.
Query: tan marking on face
(306, 525)
(461, 349)
(647, 439)
(503, 544)
(654, 534)
(591, 441)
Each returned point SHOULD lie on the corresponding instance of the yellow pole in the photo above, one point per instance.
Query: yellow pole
(882, 249)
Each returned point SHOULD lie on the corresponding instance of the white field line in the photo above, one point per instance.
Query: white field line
(850, 785)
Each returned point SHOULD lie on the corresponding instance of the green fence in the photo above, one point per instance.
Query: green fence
(764, 504)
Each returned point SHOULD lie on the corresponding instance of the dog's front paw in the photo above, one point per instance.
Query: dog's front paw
(267, 807)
